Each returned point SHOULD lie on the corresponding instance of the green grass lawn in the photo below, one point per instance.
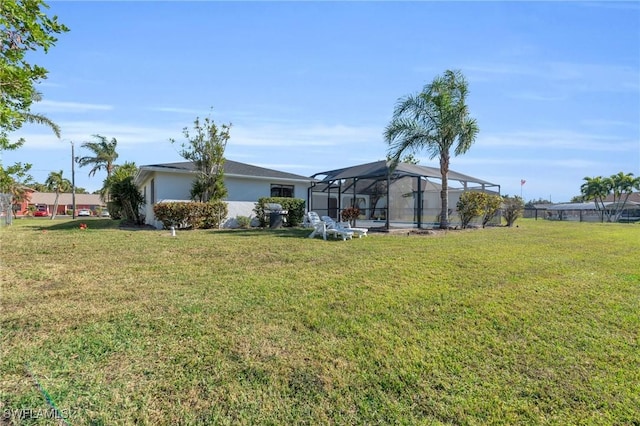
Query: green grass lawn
(537, 324)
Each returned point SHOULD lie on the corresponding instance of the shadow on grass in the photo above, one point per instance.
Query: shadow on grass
(68, 224)
(280, 232)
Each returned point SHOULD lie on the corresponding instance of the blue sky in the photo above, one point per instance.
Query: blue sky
(310, 86)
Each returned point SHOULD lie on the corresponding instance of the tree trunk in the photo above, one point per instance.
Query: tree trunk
(444, 192)
(55, 206)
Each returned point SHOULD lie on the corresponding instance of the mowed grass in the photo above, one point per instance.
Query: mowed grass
(537, 324)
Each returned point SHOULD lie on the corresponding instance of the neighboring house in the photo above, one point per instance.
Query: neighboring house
(65, 202)
(245, 184)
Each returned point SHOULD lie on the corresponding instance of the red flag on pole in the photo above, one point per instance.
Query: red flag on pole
(522, 182)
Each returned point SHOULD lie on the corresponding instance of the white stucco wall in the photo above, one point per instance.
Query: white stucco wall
(242, 193)
(246, 189)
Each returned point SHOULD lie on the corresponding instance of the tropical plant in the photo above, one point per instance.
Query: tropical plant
(596, 189)
(104, 155)
(56, 183)
(436, 120)
(126, 200)
(622, 185)
(599, 188)
(119, 173)
(512, 208)
(205, 149)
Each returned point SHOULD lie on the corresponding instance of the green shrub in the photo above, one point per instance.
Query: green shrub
(470, 205)
(294, 206)
(244, 222)
(512, 208)
(191, 214)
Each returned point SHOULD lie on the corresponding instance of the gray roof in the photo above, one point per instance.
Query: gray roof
(234, 168)
(381, 168)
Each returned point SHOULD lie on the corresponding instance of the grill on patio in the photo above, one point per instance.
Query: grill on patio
(277, 216)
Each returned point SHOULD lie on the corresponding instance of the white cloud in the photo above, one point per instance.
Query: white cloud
(572, 75)
(557, 139)
(572, 163)
(60, 106)
(299, 135)
(175, 110)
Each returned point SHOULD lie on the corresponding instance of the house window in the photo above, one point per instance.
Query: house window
(282, 191)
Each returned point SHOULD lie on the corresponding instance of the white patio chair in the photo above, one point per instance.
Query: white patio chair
(321, 227)
(345, 226)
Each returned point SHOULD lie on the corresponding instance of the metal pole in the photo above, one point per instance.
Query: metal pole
(73, 180)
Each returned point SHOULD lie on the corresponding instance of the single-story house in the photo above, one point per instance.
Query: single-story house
(65, 202)
(245, 184)
(407, 194)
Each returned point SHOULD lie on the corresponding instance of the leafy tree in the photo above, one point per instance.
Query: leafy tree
(512, 208)
(436, 120)
(491, 206)
(104, 155)
(56, 183)
(470, 205)
(24, 27)
(205, 148)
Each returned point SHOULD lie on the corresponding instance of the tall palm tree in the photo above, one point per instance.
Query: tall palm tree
(55, 182)
(104, 155)
(436, 120)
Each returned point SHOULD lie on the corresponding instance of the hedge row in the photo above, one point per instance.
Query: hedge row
(193, 215)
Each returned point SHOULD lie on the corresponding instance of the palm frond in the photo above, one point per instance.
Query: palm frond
(41, 119)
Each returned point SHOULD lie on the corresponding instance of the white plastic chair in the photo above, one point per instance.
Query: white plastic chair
(344, 226)
(321, 227)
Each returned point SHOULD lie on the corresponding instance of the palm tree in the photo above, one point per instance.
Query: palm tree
(622, 186)
(597, 189)
(436, 120)
(55, 182)
(104, 156)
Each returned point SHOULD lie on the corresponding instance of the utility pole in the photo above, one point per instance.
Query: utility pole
(73, 180)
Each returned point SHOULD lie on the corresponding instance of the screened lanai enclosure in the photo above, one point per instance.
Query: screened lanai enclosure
(407, 196)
